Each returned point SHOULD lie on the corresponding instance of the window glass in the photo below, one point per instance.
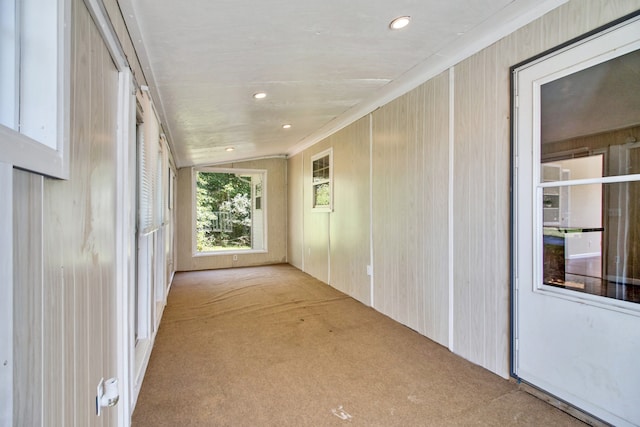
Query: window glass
(589, 187)
(321, 181)
(595, 249)
(229, 210)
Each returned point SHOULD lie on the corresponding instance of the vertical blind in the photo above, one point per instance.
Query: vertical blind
(151, 171)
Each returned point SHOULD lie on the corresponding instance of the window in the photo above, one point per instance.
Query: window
(229, 212)
(258, 198)
(34, 82)
(322, 180)
(585, 176)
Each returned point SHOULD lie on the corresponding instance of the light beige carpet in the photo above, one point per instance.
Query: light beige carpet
(271, 346)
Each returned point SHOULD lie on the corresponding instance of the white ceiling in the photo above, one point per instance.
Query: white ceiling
(323, 63)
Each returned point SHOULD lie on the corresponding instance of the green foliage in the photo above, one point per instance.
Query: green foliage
(223, 211)
(322, 195)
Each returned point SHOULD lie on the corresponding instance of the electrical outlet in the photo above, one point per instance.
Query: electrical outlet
(235, 257)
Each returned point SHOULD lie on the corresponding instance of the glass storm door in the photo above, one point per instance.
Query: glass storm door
(577, 223)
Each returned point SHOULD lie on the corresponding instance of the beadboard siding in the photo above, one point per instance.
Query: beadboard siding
(276, 199)
(481, 164)
(7, 305)
(28, 325)
(349, 222)
(295, 212)
(481, 212)
(410, 164)
(410, 208)
(64, 268)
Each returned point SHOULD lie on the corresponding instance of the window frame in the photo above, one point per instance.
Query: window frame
(17, 148)
(322, 208)
(526, 102)
(263, 210)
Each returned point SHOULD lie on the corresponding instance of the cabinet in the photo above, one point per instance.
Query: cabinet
(551, 196)
(554, 199)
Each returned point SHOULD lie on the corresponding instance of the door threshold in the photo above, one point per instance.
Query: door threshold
(562, 405)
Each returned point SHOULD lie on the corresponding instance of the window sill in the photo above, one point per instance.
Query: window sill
(327, 209)
(26, 153)
(230, 252)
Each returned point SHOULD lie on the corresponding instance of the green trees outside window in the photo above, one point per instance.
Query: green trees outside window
(224, 207)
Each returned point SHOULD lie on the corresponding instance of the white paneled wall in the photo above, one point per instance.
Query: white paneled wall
(64, 250)
(414, 201)
(64, 271)
(410, 208)
(481, 213)
(349, 222)
(295, 212)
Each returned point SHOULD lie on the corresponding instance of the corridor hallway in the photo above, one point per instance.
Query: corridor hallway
(272, 346)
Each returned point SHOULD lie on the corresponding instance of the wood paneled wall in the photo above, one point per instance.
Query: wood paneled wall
(481, 169)
(64, 269)
(481, 211)
(276, 220)
(412, 193)
(411, 209)
(295, 212)
(349, 229)
(335, 245)
(28, 299)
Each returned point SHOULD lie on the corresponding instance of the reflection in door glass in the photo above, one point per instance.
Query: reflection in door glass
(590, 129)
(592, 253)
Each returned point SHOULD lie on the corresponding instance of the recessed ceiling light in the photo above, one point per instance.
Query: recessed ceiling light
(400, 22)
(287, 126)
(259, 95)
(230, 149)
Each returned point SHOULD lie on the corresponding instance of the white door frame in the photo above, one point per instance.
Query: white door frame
(125, 247)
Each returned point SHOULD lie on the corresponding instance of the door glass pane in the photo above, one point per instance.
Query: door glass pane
(594, 246)
(594, 111)
(590, 128)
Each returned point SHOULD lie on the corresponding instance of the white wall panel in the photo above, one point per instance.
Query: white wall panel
(65, 238)
(410, 208)
(28, 319)
(481, 163)
(6, 302)
(295, 212)
(349, 231)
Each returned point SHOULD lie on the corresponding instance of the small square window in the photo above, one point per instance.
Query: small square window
(321, 181)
